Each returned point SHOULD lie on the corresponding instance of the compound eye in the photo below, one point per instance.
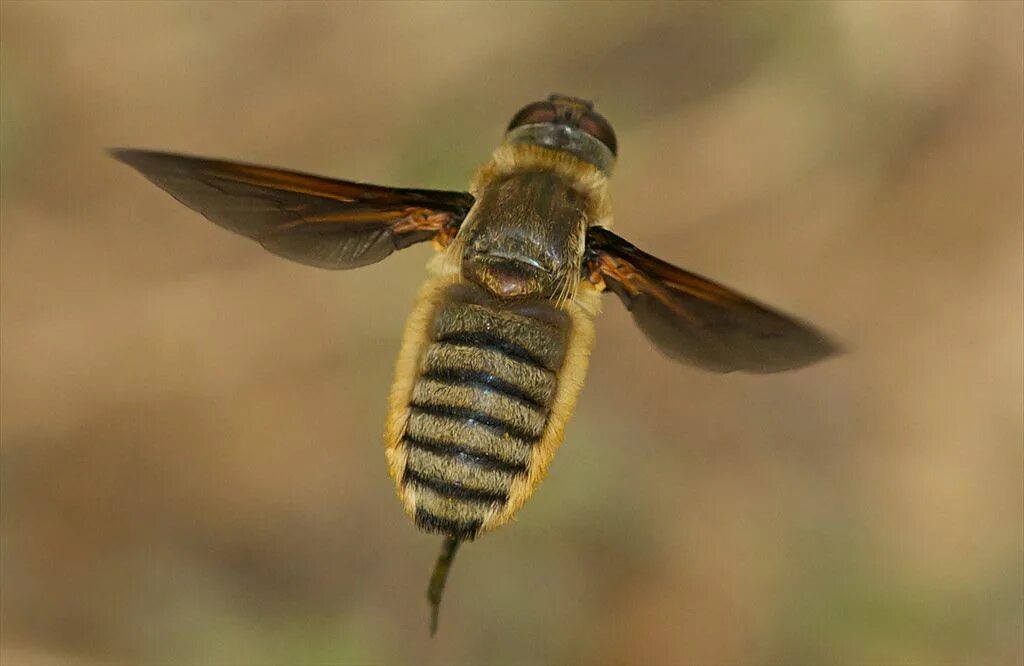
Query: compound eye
(594, 124)
(533, 114)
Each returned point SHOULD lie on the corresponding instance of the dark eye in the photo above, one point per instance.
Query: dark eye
(532, 114)
(594, 124)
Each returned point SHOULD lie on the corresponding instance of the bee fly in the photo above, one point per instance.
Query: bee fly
(497, 345)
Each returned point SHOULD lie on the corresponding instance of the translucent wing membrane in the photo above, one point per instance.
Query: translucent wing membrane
(695, 320)
(316, 221)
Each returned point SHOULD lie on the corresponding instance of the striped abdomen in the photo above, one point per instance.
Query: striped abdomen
(478, 406)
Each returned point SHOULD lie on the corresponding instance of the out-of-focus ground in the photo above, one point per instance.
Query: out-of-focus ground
(192, 465)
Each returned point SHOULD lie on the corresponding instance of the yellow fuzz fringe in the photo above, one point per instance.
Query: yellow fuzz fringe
(585, 177)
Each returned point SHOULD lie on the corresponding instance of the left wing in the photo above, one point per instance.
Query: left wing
(316, 221)
(693, 319)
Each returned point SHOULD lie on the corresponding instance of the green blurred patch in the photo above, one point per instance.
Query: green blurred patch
(446, 148)
(313, 639)
(847, 606)
(293, 638)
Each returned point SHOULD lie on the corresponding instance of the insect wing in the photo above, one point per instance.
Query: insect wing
(316, 221)
(693, 319)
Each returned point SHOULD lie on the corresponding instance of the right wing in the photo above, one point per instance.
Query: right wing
(695, 320)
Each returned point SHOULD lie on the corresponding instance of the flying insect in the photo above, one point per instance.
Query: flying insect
(497, 346)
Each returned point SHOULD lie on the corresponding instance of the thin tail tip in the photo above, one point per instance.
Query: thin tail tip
(437, 580)
(433, 621)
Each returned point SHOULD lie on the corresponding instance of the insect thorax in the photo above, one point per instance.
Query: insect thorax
(525, 235)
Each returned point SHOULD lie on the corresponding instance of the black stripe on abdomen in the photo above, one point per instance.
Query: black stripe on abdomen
(466, 456)
(458, 477)
(454, 490)
(428, 522)
(483, 381)
(489, 367)
(533, 332)
(487, 340)
(477, 417)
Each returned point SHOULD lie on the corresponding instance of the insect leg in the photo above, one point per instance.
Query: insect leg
(438, 578)
(443, 225)
(444, 236)
(592, 273)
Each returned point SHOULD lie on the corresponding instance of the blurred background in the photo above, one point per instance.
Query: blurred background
(192, 462)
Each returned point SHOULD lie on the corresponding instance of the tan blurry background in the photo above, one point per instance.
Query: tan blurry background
(192, 465)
